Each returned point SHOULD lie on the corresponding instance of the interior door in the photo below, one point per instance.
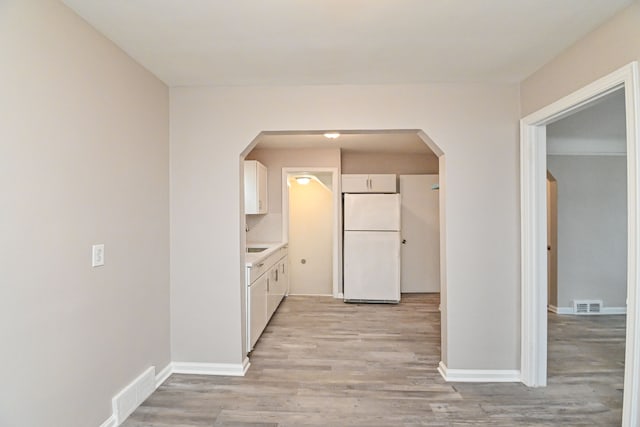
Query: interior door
(420, 234)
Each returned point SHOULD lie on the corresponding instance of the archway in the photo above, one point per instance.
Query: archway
(424, 138)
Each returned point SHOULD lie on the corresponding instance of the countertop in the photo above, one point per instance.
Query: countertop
(252, 258)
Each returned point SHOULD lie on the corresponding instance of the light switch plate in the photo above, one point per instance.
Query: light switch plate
(97, 255)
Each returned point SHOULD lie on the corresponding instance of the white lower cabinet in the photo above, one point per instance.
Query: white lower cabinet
(265, 293)
(278, 285)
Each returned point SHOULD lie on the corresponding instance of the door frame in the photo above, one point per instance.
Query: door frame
(533, 232)
(336, 188)
(552, 241)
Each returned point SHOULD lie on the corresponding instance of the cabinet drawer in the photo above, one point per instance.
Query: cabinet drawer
(258, 269)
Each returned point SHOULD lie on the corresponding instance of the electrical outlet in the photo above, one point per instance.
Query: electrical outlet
(97, 255)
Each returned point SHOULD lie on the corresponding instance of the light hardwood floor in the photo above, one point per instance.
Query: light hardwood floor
(321, 362)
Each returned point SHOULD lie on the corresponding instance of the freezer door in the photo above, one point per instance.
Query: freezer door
(372, 266)
(364, 212)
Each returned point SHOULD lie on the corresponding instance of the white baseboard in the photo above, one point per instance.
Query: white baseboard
(478, 375)
(614, 310)
(339, 296)
(164, 374)
(604, 310)
(231, 369)
(560, 310)
(133, 394)
(310, 295)
(111, 422)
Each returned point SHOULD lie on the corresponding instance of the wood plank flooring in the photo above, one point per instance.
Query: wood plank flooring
(321, 362)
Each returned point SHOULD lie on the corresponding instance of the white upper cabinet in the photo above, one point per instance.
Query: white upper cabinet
(369, 183)
(255, 187)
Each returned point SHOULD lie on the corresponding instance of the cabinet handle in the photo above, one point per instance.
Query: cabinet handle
(277, 275)
(267, 284)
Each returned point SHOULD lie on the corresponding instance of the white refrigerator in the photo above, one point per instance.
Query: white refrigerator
(372, 247)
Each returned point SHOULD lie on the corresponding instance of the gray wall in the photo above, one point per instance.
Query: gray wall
(592, 228)
(609, 47)
(396, 163)
(83, 160)
(476, 127)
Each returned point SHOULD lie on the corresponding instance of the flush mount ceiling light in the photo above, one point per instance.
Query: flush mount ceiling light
(303, 180)
(331, 135)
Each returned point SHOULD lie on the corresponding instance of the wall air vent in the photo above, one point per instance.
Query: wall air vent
(587, 307)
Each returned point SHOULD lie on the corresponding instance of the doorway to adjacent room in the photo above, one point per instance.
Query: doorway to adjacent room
(534, 231)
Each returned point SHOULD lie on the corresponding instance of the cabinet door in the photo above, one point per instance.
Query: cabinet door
(262, 190)
(255, 188)
(250, 189)
(257, 308)
(372, 183)
(284, 276)
(278, 285)
(382, 183)
(273, 297)
(353, 183)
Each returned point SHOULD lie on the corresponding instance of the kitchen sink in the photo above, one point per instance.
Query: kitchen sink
(256, 250)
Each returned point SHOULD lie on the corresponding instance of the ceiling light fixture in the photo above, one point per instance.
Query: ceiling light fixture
(331, 135)
(303, 180)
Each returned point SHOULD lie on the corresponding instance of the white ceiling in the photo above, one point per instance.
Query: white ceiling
(254, 42)
(403, 142)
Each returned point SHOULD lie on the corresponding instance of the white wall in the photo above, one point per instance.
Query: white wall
(310, 238)
(475, 125)
(396, 163)
(83, 160)
(268, 227)
(592, 228)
